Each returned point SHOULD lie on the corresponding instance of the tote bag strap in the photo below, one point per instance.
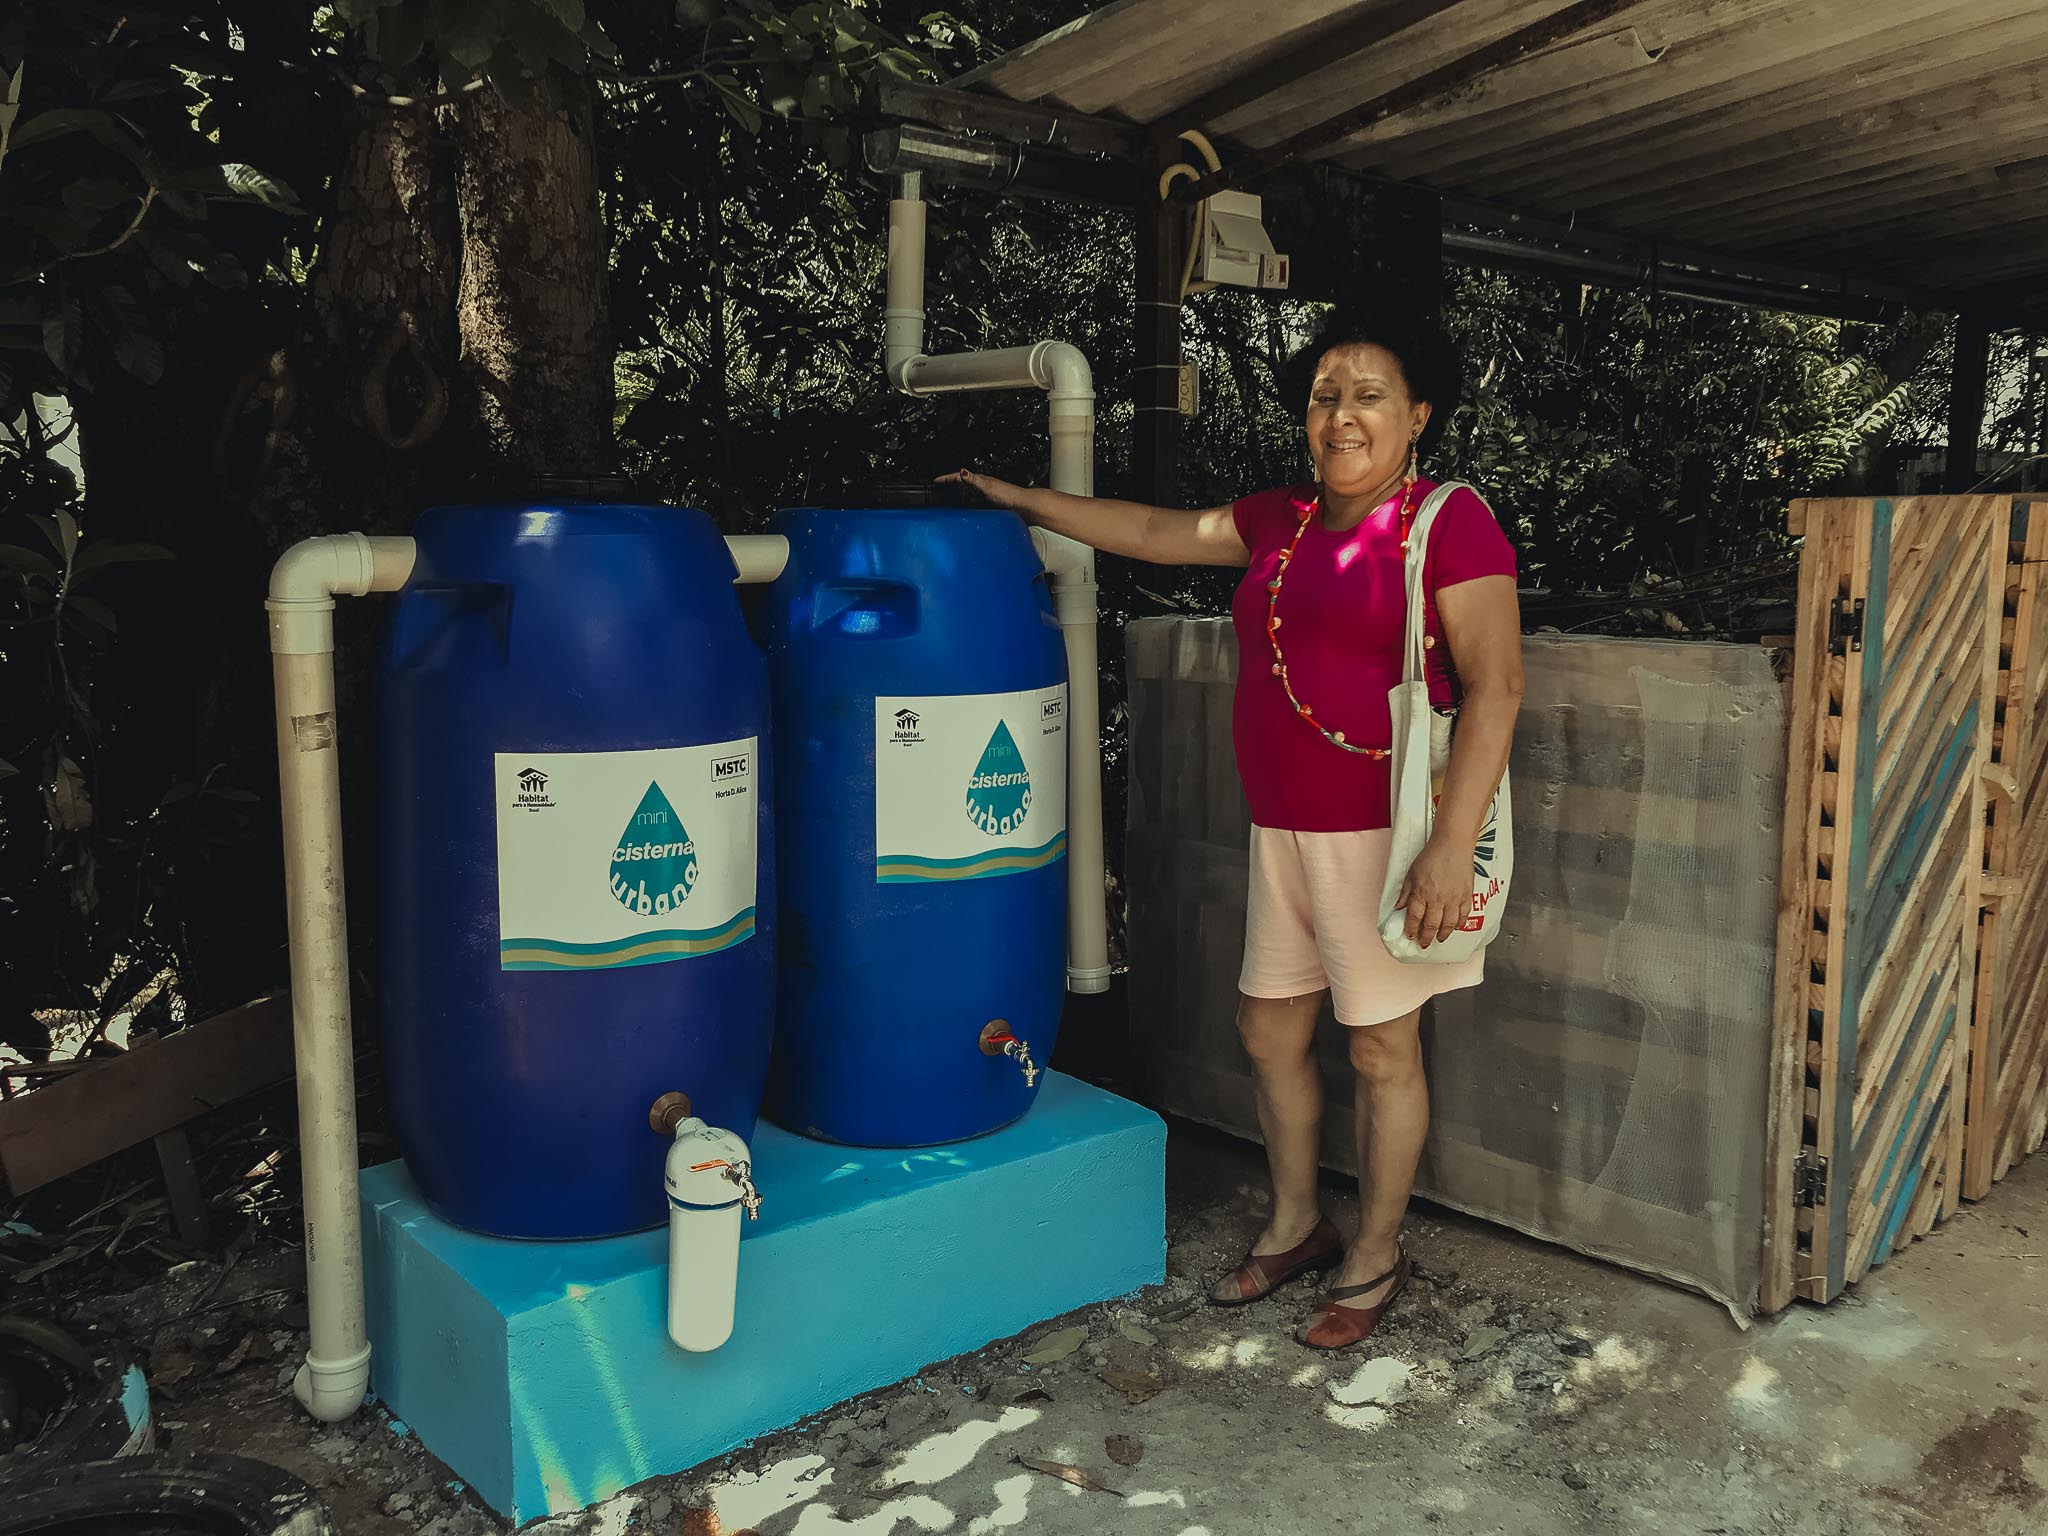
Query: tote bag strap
(1418, 551)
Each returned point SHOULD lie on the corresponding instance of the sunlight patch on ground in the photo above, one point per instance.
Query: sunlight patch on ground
(1168, 1500)
(748, 1499)
(1383, 1381)
(1756, 1400)
(951, 1451)
(745, 1502)
(1013, 1502)
(922, 1512)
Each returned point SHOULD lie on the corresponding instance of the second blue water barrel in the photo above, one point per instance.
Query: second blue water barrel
(920, 795)
(576, 874)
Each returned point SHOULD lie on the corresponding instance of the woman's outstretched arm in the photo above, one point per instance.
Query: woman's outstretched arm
(1162, 535)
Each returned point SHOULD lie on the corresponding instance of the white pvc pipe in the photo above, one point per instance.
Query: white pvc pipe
(1062, 371)
(303, 585)
(903, 311)
(757, 557)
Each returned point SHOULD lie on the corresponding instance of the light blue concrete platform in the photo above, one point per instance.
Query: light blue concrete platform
(543, 1372)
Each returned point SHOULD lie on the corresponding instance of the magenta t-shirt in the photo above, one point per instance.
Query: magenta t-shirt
(1342, 611)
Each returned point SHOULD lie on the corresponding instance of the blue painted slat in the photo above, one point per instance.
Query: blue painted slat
(1923, 605)
(1923, 1017)
(1888, 1170)
(1902, 1205)
(1894, 882)
(1853, 872)
(1935, 707)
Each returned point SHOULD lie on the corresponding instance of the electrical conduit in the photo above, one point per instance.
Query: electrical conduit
(1063, 373)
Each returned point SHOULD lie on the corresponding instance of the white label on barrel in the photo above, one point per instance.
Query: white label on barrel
(625, 858)
(968, 786)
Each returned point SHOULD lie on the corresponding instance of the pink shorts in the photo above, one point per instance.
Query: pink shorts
(1312, 921)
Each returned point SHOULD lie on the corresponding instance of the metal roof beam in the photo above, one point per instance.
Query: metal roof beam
(1720, 264)
(1852, 216)
(1351, 35)
(1706, 287)
(1078, 133)
(1931, 136)
(1554, 148)
(1545, 33)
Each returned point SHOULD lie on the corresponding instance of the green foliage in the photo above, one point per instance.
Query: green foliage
(130, 204)
(91, 902)
(1634, 437)
(111, 180)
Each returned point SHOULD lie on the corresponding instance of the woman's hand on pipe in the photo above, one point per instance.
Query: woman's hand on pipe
(1437, 893)
(998, 493)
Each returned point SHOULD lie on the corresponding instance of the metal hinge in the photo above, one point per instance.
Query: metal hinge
(1845, 626)
(1810, 1178)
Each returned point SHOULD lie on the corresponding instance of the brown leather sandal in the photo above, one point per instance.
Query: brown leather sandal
(1261, 1274)
(1335, 1326)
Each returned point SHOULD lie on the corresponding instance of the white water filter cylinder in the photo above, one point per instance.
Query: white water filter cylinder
(709, 1182)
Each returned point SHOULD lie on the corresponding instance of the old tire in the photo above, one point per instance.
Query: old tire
(163, 1496)
(62, 1401)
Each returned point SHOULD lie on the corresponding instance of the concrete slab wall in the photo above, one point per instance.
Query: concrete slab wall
(1605, 1088)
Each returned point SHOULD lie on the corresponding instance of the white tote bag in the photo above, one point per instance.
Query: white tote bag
(1422, 753)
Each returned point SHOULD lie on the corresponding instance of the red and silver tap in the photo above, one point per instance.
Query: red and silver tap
(998, 1039)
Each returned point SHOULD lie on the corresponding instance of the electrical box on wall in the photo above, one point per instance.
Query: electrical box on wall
(1232, 247)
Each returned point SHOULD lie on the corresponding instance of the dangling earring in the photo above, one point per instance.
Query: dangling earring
(1414, 469)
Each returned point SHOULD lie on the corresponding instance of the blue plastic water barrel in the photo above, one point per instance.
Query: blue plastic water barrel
(920, 801)
(576, 871)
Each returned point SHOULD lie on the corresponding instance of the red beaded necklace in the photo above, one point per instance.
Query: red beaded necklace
(1314, 508)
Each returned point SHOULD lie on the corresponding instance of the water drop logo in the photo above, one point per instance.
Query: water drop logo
(999, 790)
(654, 867)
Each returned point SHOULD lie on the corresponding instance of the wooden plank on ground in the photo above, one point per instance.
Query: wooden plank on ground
(124, 1100)
(181, 1186)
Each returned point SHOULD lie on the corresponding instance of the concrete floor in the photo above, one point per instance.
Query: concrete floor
(1518, 1389)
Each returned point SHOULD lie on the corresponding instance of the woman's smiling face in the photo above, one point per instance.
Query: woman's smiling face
(1360, 419)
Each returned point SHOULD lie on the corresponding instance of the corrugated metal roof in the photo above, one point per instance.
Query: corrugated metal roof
(1892, 140)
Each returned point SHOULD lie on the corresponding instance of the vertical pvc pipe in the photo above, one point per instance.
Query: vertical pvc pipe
(336, 1373)
(903, 311)
(1074, 604)
(1063, 373)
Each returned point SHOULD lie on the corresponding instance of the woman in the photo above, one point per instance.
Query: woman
(1319, 619)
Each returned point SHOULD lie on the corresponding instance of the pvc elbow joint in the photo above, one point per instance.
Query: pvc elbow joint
(1061, 370)
(332, 1390)
(313, 572)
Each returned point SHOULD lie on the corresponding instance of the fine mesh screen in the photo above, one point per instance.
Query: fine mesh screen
(1605, 1088)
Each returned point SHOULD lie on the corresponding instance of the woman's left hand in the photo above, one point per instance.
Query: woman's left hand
(1437, 894)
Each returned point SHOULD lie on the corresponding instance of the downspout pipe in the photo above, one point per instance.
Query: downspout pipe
(330, 1384)
(1062, 372)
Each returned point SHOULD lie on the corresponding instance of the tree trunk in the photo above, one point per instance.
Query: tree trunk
(454, 325)
(536, 334)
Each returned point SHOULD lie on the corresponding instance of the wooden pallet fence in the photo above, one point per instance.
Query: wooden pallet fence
(1895, 698)
(2008, 1093)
